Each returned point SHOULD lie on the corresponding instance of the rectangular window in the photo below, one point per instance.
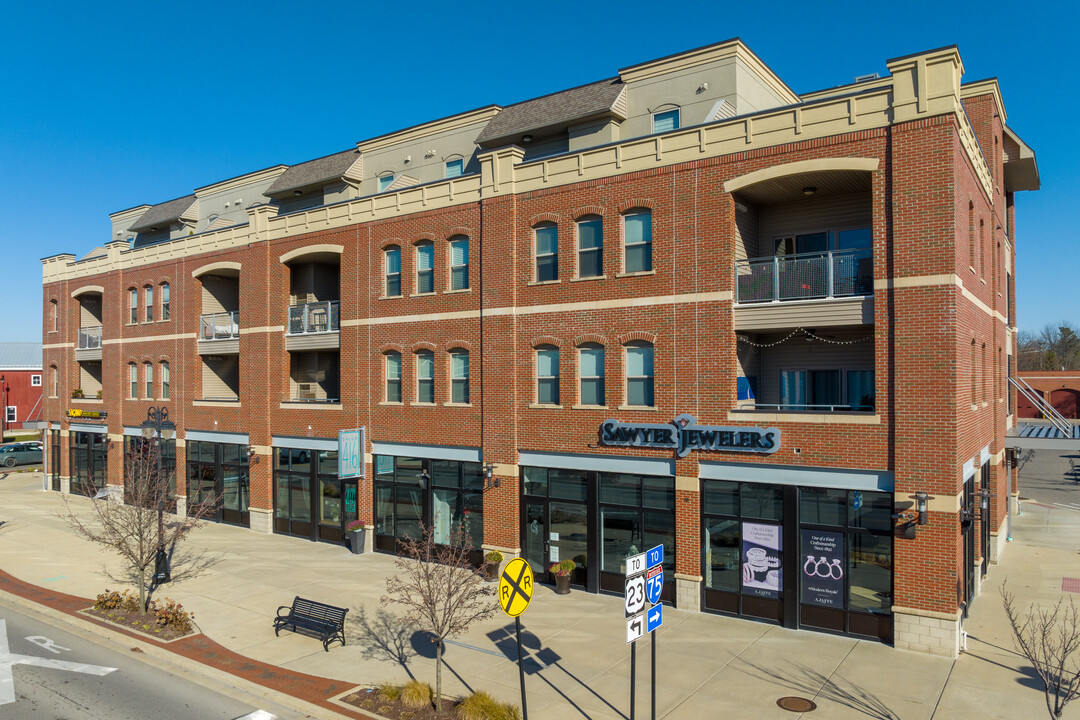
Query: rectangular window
(459, 264)
(547, 376)
(547, 253)
(165, 301)
(148, 376)
(133, 379)
(385, 182)
(591, 362)
(459, 377)
(639, 376)
(425, 377)
(455, 168)
(393, 377)
(393, 272)
(637, 231)
(665, 121)
(133, 304)
(425, 268)
(149, 291)
(590, 248)
(11, 414)
(165, 381)
(35, 381)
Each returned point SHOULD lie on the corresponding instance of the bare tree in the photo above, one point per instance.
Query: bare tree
(442, 592)
(141, 525)
(1049, 637)
(1055, 347)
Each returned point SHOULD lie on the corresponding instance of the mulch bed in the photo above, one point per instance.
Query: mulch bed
(369, 699)
(138, 622)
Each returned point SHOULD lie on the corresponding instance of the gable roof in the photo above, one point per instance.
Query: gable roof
(20, 356)
(163, 213)
(314, 172)
(558, 108)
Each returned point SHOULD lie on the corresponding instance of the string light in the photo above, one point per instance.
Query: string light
(806, 333)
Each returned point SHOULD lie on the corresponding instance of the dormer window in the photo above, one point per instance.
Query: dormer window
(665, 121)
(455, 168)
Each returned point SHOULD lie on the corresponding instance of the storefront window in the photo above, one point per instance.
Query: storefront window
(219, 472)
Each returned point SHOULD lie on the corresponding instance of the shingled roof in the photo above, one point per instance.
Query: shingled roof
(20, 356)
(556, 109)
(314, 172)
(163, 213)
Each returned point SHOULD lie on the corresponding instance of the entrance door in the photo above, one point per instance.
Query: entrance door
(54, 458)
(88, 462)
(308, 495)
(967, 528)
(984, 522)
(535, 534)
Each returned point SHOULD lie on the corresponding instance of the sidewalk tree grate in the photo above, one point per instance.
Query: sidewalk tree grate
(1070, 585)
(796, 704)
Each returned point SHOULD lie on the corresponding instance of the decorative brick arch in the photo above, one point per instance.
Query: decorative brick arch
(164, 279)
(86, 289)
(544, 217)
(637, 335)
(547, 340)
(422, 345)
(391, 242)
(424, 237)
(590, 338)
(390, 347)
(634, 204)
(587, 210)
(163, 358)
(458, 345)
(459, 230)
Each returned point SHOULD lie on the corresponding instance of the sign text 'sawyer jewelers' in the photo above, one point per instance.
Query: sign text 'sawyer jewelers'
(683, 434)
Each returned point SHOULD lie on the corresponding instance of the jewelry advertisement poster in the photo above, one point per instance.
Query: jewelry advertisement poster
(823, 568)
(761, 559)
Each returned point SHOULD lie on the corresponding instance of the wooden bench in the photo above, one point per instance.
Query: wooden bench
(327, 620)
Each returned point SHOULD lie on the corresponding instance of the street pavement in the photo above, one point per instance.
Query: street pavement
(1050, 477)
(576, 660)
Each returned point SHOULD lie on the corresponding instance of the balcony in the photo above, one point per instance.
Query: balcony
(219, 333)
(833, 287)
(89, 344)
(314, 326)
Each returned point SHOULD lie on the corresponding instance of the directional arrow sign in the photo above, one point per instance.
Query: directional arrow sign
(635, 628)
(655, 617)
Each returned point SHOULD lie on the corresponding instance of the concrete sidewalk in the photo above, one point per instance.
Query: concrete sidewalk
(576, 658)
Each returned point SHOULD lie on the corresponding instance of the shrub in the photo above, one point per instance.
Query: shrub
(77, 393)
(416, 694)
(389, 691)
(171, 614)
(493, 556)
(481, 706)
(113, 600)
(563, 568)
(355, 525)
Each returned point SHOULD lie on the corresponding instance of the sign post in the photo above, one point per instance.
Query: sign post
(515, 594)
(654, 584)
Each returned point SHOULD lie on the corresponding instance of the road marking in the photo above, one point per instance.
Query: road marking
(8, 659)
(47, 644)
(258, 715)
(1070, 506)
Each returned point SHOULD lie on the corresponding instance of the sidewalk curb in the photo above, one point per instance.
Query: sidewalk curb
(219, 681)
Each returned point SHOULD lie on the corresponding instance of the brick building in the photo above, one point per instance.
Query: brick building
(20, 386)
(1060, 388)
(683, 305)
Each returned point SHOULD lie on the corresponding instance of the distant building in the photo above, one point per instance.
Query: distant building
(1060, 388)
(20, 385)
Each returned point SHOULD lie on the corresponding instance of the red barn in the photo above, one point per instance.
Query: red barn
(20, 385)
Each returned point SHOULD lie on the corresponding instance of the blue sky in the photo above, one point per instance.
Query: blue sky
(108, 106)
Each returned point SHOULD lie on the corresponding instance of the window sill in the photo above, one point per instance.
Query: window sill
(393, 297)
(89, 401)
(163, 320)
(430, 294)
(454, 292)
(588, 277)
(588, 407)
(215, 403)
(649, 408)
(544, 282)
(459, 405)
(544, 406)
(310, 405)
(635, 274)
(423, 404)
(391, 404)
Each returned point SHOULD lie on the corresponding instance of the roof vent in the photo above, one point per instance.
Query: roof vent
(867, 78)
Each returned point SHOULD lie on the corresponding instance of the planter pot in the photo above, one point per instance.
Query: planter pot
(491, 572)
(356, 541)
(562, 584)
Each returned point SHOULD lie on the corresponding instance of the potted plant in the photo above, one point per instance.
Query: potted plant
(77, 393)
(98, 394)
(562, 571)
(355, 532)
(491, 565)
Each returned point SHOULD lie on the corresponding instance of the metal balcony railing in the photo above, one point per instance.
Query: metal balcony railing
(314, 317)
(220, 326)
(781, 407)
(89, 338)
(780, 278)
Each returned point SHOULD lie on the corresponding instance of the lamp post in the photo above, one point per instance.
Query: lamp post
(3, 407)
(157, 426)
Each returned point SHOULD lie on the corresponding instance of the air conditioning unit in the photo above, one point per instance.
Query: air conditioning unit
(305, 391)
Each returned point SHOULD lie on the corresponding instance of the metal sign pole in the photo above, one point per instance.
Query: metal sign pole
(521, 669)
(633, 676)
(654, 634)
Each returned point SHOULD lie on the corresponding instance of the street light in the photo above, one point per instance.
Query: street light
(158, 426)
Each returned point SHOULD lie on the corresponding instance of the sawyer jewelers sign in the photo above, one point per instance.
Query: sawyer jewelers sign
(683, 434)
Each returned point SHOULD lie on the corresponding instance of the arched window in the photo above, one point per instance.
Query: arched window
(133, 381)
(639, 374)
(459, 376)
(546, 252)
(149, 299)
(425, 377)
(133, 306)
(54, 381)
(666, 120)
(165, 390)
(392, 263)
(393, 377)
(148, 377)
(459, 263)
(637, 241)
(385, 181)
(52, 316)
(590, 237)
(425, 267)
(164, 301)
(455, 166)
(591, 374)
(547, 375)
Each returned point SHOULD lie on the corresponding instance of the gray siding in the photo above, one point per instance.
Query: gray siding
(799, 354)
(90, 378)
(220, 294)
(313, 282)
(314, 376)
(827, 213)
(90, 310)
(221, 377)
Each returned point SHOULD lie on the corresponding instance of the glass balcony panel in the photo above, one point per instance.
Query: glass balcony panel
(840, 273)
(220, 326)
(90, 338)
(314, 317)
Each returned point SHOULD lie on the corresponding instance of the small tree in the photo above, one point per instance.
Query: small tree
(137, 527)
(1049, 637)
(442, 592)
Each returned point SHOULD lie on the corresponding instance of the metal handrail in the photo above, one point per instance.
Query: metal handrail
(89, 338)
(788, 407)
(219, 326)
(804, 276)
(1035, 398)
(314, 317)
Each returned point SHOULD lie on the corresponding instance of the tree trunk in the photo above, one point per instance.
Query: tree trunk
(438, 676)
(142, 590)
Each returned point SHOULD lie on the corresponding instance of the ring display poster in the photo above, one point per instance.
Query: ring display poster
(762, 571)
(822, 568)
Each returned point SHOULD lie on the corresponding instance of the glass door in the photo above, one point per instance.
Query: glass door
(234, 484)
(54, 458)
(330, 500)
(967, 526)
(535, 534)
(568, 537)
(984, 520)
(293, 493)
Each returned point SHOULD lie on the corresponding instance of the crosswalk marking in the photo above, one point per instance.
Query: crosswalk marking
(1070, 506)
(8, 659)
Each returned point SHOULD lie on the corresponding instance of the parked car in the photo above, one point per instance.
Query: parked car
(20, 453)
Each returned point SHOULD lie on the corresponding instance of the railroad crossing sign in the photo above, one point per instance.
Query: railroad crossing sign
(515, 587)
